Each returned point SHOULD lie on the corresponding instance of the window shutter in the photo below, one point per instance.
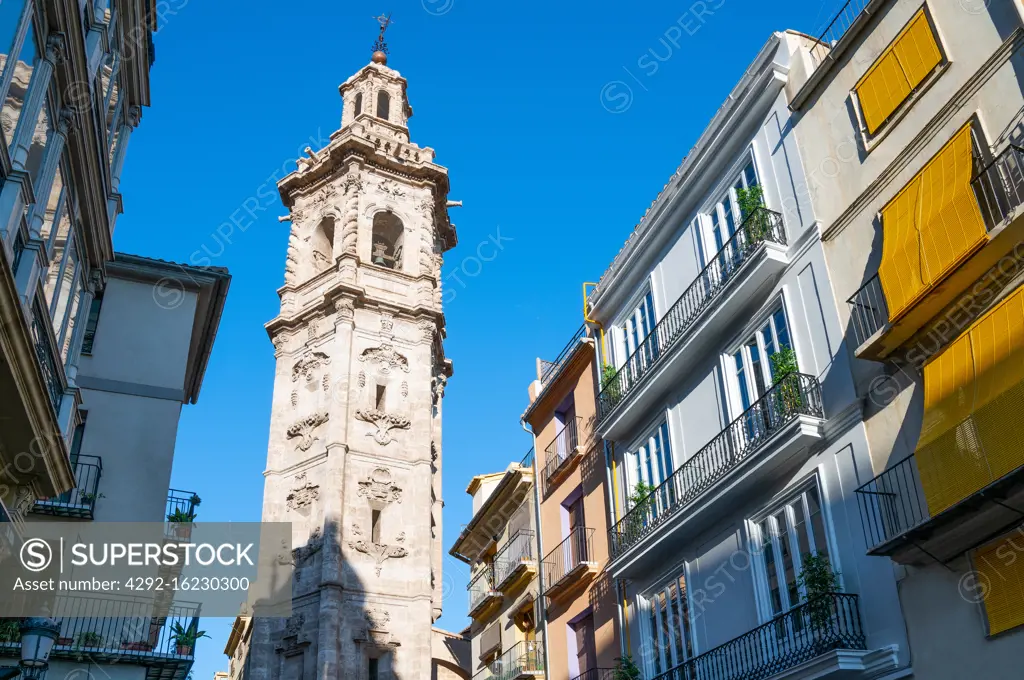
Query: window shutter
(1000, 568)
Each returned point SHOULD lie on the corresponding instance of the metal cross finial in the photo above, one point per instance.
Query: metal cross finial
(381, 45)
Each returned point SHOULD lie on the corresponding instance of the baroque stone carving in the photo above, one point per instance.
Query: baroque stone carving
(303, 496)
(391, 188)
(379, 487)
(322, 198)
(308, 365)
(350, 233)
(385, 422)
(378, 619)
(344, 308)
(378, 551)
(361, 379)
(387, 325)
(428, 328)
(303, 429)
(386, 358)
(405, 388)
(312, 547)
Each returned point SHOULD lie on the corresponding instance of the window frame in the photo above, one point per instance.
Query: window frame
(619, 346)
(633, 465)
(712, 214)
(782, 503)
(651, 625)
(27, 21)
(734, 401)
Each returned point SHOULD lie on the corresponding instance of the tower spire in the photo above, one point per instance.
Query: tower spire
(380, 48)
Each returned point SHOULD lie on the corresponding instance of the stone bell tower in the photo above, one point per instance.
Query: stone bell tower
(354, 460)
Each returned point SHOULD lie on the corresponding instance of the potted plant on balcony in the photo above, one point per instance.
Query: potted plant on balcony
(185, 638)
(9, 630)
(784, 371)
(820, 583)
(640, 515)
(756, 223)
(610, 387)
(89, 498)
(88, 639)
(137, 645)
(625, 669)
(181, 522)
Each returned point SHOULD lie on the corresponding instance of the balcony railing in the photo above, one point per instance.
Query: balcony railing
(836, 29)
(999, 190)
(792, 396)
(827, 624)
(892, 503)
(45, 343)
(181, 504)
(760, 226)
(516, 552)
(107, 629)
(481, 588)
(18, 250)
(524, 660)
(569, 557)
(561, 449)
(597, 674)
(549, 369)
(79, 501)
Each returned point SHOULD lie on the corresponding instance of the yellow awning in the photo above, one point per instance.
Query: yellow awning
(973, 404)
(931, 226)
(1000, 569)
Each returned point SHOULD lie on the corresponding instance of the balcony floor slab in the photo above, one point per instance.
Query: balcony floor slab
(844, 664)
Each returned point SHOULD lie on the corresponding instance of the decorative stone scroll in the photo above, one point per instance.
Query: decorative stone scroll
(303, 429)
(386, 358)
(385, 422)
(379, 551)
(309, 365)
(379, 487)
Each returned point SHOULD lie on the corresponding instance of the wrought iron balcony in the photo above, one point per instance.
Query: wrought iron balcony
(793, 396)
(524, 660)
(597, 674)
(760, 226)
(836, 29)
(482, 592)
(827, 624)
(561, 453)
(892, 504)
(549, 369)
(180, 513)
(999, 190)
(515, 560)
(47, 355)
(572, 563)
(79, 501)
(108, 630)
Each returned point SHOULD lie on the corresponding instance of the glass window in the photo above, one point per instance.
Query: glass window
(54, 207)
(91, 322)
(64, 286)
(13, 14)
(635, 329)
(753, 361)
(669, 634)
(787, 536)
(651, 463)
(725, 215)
(21, 74)
(60, 240)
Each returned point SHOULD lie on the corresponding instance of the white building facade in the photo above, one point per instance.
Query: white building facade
(734, 434)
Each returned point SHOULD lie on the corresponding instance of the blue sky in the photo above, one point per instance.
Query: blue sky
(558, 125)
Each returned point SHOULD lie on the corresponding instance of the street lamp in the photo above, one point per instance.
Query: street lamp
(38, 634)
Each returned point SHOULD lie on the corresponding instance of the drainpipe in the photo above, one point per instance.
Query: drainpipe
(540, 548)
(613, 509)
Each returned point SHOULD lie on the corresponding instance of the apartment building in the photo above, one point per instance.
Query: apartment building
(499, 544)
(73, 83)
(580, 612)
(919, 192)
(729, 408)
(146, 344)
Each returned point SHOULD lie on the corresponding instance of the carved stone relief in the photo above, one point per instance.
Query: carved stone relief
(303, 429)
(386, 358)
(378, 551)
(309, 365)
(379, 487)
(385, 422)
(303, 496)
(391, 188)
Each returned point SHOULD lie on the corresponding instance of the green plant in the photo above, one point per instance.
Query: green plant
(180, 516)
(10, 630)
(195, 500)
(609, 385)
(89, 498)
(186, 637)
(641, 494)
(625, 669)
(819, 580)
(756, 223)
(783, 367)
(89, 639)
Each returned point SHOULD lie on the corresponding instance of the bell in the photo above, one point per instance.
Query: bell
(378, 254)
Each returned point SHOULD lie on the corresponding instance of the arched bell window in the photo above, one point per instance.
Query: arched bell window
(323, 245)
(359, 104)
(383, 104)
(388, 237)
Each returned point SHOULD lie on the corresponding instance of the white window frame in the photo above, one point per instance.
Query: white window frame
(669, 656)
(619, 344)
(734, 401)
(759, 573)
(630, 457)
(713, 207)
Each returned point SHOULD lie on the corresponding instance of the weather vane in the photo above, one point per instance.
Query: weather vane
(381, 45)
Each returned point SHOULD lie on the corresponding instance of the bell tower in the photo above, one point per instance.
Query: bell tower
(354, 457)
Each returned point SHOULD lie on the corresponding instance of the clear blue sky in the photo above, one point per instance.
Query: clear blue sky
(515, 99)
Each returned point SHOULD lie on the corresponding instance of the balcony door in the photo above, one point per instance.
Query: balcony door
(636, 327)
(786, 535)
(754, 373)
(724, 217)
(586, 648)
(669, 633)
